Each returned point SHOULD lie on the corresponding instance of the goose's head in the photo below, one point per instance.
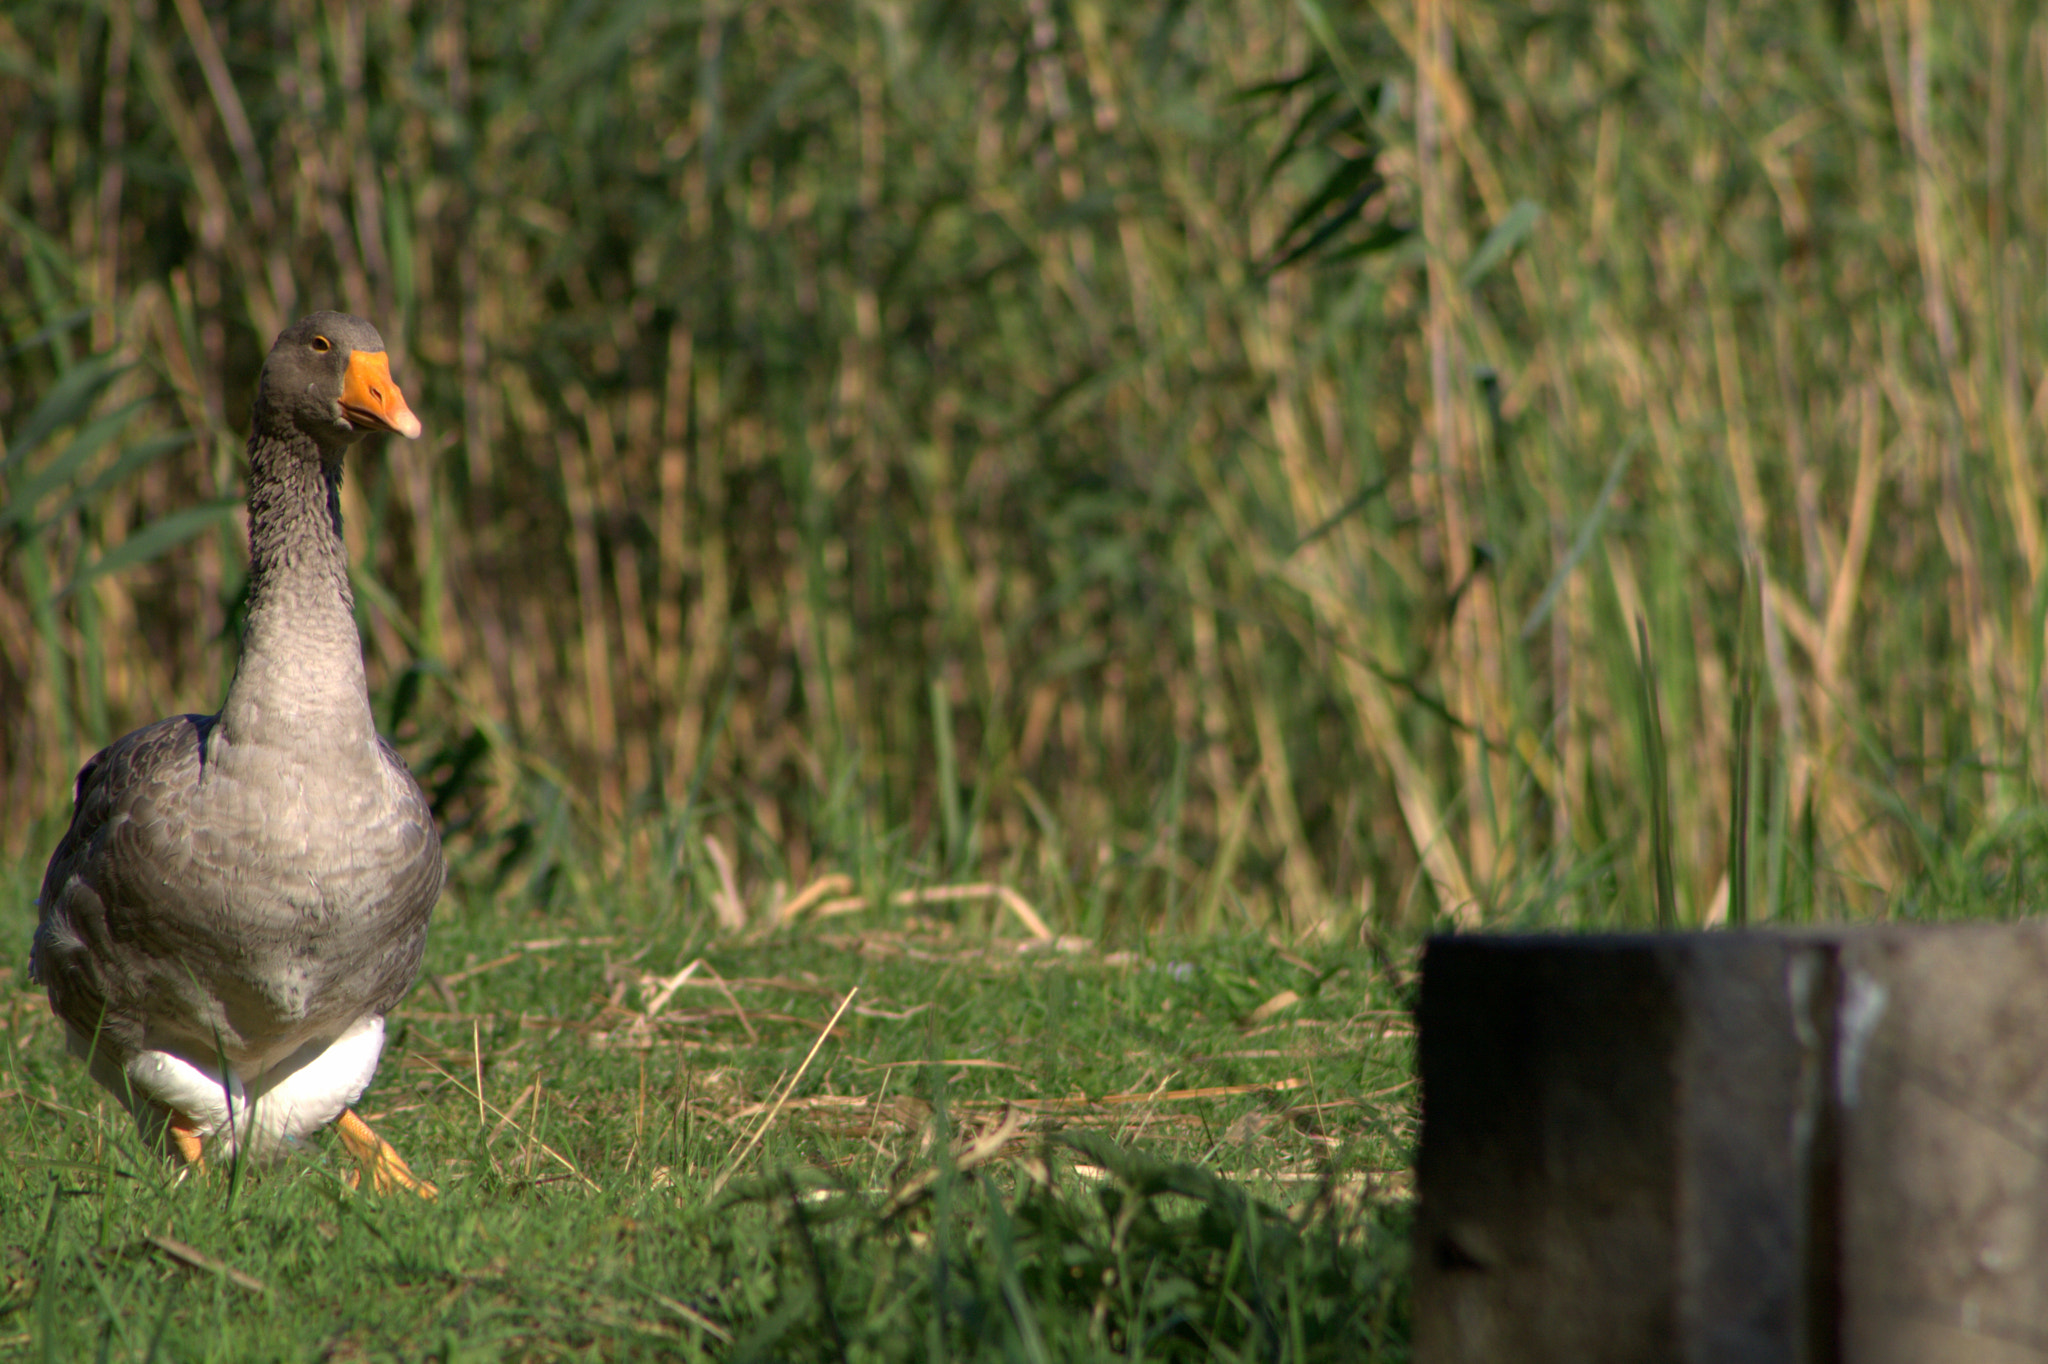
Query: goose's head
(329, 377)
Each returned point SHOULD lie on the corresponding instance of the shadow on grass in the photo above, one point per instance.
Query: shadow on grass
(1083, 1249)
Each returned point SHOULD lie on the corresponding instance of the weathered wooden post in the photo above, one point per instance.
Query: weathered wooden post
(1810, 1147)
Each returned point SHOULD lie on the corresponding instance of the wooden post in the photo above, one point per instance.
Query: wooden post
(1806, 1147)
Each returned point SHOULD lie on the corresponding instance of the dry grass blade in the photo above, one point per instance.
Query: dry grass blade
(194, 1258)
(976, 1151)
(836, 883)
(1206, 1092)
(933, 895)
(893, 1015)
(731, 910)
(1280, 1002)
(454, 978)
(692, 1316)
(974, 1062)
(668, 989)
(726, 1174)
(519, 1101)
(1140, 1096)
(738, 1011)
(550, 1151)
(1146, 1111)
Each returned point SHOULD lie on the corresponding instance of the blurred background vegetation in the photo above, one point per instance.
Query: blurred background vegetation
(1197, 462)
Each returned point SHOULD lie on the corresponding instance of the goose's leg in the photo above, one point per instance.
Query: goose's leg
(387, 1168)
(185, 1140)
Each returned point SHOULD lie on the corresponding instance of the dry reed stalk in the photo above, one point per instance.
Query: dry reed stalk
(671, 540)
(1813, 556)
(2006, 271)
(1912, 109)
(634, 667)
(274, 305)
(1710, 739)
(479, 410)
(1131, 304)
(1850, 822)
(529, 652)
(1212, 693)
(1474, 656)
(1307, 903)
(710, 627)
(1843, 594)
(113, 177)
(1571, 637)
(600, 715)
(1434, 845)
(321, 178)
(1734, 411)
(1320, 569)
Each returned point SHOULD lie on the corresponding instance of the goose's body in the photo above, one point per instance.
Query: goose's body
(255, 886)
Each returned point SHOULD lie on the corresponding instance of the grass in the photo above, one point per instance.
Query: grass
(998, 1153)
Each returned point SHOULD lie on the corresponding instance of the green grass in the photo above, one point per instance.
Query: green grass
(993, 1156)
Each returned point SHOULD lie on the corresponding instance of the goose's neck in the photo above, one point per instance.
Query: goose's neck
(299, 681)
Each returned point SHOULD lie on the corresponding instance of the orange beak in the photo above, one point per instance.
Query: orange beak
(371, 400)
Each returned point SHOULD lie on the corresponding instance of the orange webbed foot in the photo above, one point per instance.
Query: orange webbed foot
(387, 1169)
(186, 1141)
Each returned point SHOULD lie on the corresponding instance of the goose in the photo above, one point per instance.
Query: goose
(240, 898)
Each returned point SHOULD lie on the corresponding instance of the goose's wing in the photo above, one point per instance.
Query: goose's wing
(191, 910)
(108, 906)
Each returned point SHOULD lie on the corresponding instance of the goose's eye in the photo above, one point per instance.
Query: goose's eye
(321, 343)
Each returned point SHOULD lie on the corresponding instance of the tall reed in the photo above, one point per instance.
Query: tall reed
(1221, 449)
